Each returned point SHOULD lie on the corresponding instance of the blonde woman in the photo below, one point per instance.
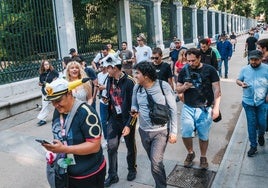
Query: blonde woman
(74, 71)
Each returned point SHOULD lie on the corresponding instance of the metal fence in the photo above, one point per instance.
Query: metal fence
(209, 24)
(200, 24)
(187, 25)
(27, 35)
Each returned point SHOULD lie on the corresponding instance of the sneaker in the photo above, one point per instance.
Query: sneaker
(189, 160)
(252, 151)
(203, 163)
(261, 140)
(131, 176)
(41, 122)
(110, 180)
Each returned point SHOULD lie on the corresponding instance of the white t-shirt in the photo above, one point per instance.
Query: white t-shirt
(143, 53)
(102, 79)
(98, 57)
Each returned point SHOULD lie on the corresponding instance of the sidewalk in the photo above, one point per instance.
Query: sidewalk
(23, 162)
(237, 170)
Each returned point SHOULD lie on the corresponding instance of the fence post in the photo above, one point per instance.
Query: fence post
(213, 24)
(194, 21)
(125, 24)
(179, 21)
(205, 21)
(158, 23)
(220, 22)
(64, 21)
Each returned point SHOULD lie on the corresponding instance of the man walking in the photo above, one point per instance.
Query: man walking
(208, 56)
(253, 78)
(163, 69)
(226, 50)
(126, 56)
(250, 43)
(119, 93)
(262, 45)
(200, 85)
(143, 52)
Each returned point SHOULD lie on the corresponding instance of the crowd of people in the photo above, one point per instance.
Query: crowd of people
(125, 84)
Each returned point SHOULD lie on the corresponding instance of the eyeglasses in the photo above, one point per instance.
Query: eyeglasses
(156, 58)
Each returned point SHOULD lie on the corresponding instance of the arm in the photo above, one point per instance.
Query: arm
(241, 83)
(170, 81)
(217, 98)
(173, 124)
(84, 148)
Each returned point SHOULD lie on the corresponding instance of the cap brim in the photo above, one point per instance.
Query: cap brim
(52, 98)
(56, 96)
(254, 57)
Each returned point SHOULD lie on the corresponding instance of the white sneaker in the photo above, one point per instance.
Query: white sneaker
(104, 144)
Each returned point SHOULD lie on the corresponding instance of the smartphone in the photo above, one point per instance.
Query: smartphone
(42, 141)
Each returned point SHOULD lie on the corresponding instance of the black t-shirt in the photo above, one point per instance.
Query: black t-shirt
(209, 57)
(201, 94)
(163, 71)
(251, 41)
(233, 36)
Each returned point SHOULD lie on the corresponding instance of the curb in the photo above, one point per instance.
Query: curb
(229, 170)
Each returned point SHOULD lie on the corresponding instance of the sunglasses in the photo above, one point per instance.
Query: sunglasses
(156, 58)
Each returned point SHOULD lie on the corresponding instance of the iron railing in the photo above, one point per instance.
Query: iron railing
(27, 35)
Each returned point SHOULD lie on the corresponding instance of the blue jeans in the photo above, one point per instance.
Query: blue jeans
(225, 61)
(256, 120)
(103, 116)
(154, 143)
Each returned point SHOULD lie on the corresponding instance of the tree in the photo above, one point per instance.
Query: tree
(261, 7)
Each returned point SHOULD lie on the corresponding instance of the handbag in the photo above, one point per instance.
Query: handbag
(159, 113)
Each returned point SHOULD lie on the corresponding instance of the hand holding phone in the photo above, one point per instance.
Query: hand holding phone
(42, 141)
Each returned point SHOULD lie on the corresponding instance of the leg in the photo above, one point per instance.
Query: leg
(154, 144)
(113, 144)
(158, 148)
(188, 143)
(262, 118)
(219, 66)
(103, 116)
(203, 147)
(252, 124)
(226, 68)
(45, 109)
(131, 152)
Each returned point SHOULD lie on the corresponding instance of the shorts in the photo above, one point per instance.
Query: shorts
(198, 119)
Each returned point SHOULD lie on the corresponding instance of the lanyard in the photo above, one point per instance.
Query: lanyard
(63, 128)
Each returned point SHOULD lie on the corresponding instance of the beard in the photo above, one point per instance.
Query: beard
(254, 66)
(195, 66)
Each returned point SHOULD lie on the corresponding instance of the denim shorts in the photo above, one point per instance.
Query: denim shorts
(198, 119)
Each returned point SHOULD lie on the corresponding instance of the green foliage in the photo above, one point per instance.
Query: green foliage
(261, 7)
(27, 29)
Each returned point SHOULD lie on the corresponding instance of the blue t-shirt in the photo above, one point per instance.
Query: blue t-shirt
(257, 80)
(85, 126)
